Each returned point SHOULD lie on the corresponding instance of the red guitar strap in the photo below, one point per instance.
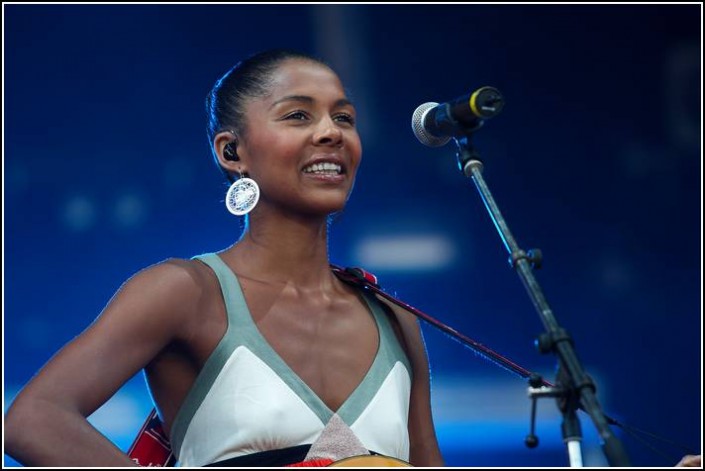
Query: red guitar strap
(151, 446)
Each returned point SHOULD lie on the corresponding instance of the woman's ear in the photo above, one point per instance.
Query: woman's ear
(225, 147)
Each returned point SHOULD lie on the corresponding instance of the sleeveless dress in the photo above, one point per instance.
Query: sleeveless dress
(247, 400)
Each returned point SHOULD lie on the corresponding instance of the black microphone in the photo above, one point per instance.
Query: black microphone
(434, 125)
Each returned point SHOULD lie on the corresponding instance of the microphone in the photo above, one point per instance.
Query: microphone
(434, 125)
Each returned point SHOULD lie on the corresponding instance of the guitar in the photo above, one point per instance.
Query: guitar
(370, 461)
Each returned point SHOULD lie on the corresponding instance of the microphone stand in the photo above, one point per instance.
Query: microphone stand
(574, 388)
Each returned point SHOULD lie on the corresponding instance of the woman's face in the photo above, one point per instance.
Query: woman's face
(301, 144)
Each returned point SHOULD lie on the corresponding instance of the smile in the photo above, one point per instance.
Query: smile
(324, 168)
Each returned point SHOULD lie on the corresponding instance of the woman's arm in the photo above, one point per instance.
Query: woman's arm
(46, 424)
(694, 461)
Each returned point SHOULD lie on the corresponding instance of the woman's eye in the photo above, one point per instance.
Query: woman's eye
(346, 118)
(296, 115)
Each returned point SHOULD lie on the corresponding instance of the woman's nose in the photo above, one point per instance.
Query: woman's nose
(328, 133)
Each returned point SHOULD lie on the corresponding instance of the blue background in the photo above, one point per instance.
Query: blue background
(596, 159)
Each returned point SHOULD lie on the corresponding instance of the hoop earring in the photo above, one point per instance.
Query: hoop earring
(242, 196)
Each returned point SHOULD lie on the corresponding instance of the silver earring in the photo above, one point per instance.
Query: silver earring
(242, 196)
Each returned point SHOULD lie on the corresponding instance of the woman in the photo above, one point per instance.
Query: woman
(260, 354)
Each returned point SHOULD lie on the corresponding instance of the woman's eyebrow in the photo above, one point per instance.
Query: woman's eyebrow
(307, 99)
(302, 98)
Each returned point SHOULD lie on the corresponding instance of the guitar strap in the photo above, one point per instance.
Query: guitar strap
(151, 447)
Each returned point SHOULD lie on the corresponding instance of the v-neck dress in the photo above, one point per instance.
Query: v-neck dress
(246, 399)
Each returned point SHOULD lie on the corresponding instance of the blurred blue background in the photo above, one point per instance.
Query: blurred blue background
(596, 160)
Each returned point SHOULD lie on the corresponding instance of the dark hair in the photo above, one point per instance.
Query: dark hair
(249, 78)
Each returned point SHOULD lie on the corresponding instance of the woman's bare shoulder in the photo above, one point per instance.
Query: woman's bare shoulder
(173, 275)
(170, 290)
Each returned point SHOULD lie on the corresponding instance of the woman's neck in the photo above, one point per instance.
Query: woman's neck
(289, 250)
